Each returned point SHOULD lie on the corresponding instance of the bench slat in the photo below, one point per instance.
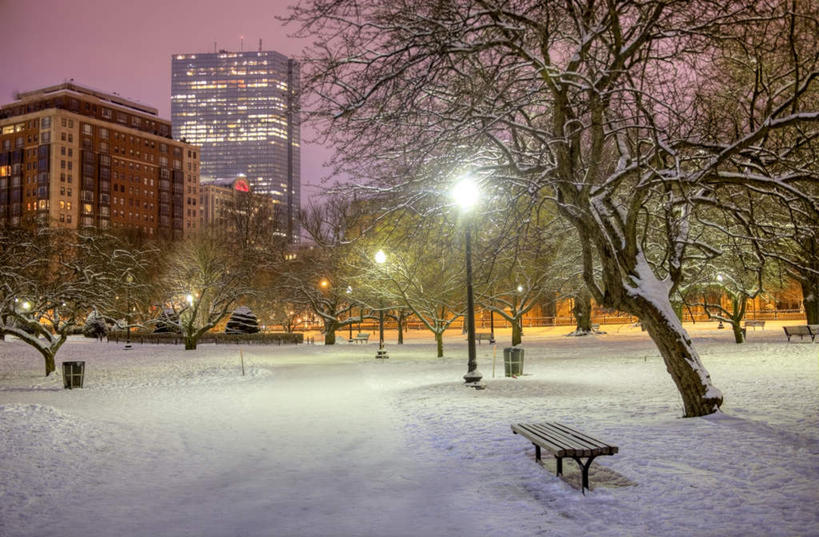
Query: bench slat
(581, 440)
(568, 442)
(536, 437)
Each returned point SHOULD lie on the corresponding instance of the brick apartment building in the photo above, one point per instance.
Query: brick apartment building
(71, 156)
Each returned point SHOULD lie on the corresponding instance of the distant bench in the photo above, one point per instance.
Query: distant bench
(754, 324)
(563, 441)
(361, 337)
(801, 331)
(483, 336)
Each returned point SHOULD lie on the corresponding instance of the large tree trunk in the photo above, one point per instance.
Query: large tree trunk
(638, 291)
(740, 303)
(330, 328)
(700, 397)
(739, 335)
(190, 343)
(439, 340)
(582, 313)
(810, 298)
(517, 331)
(50, 365)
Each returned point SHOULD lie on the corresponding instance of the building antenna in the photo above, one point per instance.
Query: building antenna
(214, 47)
(241, 43)
(260, 44)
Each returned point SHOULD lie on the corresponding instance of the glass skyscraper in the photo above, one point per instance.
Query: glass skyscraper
(241, 108)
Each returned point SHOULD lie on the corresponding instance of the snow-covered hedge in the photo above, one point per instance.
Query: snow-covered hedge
(267, 338)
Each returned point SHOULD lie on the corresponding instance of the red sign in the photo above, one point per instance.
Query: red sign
(241, 185)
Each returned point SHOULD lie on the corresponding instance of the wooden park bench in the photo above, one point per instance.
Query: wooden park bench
(484, 336)
(361, 337)
(563, 441)
(801, 331)
(754, 324)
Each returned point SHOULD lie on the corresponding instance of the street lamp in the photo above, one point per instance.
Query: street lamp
(349, 299)
(720, 325)
(465, 194)
(129, 279)
(381, 258)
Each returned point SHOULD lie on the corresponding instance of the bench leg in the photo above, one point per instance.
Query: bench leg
(559, 466)
(584, 469)
(537, 452)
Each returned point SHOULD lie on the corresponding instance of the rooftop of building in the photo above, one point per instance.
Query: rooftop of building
(227, 54)
(70, 87)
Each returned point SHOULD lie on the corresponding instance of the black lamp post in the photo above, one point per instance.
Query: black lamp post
(129, 279)
(349, 293)
(381, 258)
(719, 279)
(491, 325)
(465, 194)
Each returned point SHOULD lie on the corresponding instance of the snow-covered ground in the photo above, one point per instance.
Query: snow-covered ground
(327, 441)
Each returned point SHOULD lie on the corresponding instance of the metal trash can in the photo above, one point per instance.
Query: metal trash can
(513, 361)
(73, 373)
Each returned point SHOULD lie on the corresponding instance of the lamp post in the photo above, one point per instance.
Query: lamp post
(349, 293)
(465, 194)
(381, 258)
(129, 279)
(492, 322)
(719, 279)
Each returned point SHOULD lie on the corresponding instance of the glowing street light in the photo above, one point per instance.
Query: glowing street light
(466, 195)
(189, 299)
(380, 257)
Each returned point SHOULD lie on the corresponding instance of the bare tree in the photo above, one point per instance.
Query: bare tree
(737, 273)
(599, 106)
(51, 279)
(202, 283)
(317, 279)
(522, 266)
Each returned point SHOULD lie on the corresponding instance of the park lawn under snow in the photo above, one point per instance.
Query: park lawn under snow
(327, 441)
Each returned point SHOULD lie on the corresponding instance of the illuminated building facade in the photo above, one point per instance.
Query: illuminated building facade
(241, 109)
(71, 156)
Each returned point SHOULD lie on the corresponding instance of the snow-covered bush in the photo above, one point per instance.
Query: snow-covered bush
(95, 325)
(242, 321)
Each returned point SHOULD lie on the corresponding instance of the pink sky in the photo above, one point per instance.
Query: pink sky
(126, 46)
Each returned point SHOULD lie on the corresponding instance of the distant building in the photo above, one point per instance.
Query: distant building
(71, 156)
(241, 108)
(229, 208)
